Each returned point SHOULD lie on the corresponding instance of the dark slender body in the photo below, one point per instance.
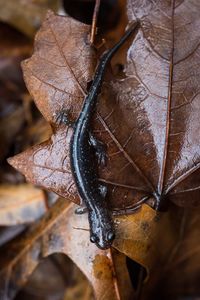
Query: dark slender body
(83, 163)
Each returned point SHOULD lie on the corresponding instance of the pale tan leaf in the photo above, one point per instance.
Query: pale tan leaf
(21, 204)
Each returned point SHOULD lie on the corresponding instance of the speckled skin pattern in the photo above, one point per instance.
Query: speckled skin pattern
(83, 164)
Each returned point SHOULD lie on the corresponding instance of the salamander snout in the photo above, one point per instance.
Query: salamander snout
(103, 241)
(109, 237)
(102, 231)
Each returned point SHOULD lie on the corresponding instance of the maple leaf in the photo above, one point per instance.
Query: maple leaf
(157, 148)
(50, 159)
(155, 151)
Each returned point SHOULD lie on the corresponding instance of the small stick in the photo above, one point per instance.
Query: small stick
(94, 20)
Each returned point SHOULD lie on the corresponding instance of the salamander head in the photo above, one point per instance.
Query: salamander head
(101, 230)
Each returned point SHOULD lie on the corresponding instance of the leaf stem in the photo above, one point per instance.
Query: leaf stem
(94, 21)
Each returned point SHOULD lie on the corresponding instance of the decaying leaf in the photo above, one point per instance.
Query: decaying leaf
(7, 233)
(67, 94)
(62, 275)
(138, 236)
(153, 151)
(14, 47)
(156, 151)
(65, 232)
(158, 106)
(21, 204)
(178, 274)
(57, 77)
(42, 165)
(10, 125)
(38, 132)
(27, 15)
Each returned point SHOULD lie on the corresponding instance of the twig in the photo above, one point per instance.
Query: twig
(94, 21)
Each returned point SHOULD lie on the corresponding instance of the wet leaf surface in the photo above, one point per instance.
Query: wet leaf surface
(148, 117)
(68, 91)
(158, 106)
(47, 165)
(156, 151)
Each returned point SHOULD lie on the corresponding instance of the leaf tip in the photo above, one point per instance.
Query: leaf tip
(19, 163)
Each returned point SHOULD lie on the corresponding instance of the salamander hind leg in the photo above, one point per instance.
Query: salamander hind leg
(81, 210)
(100, 150)
(103, 190)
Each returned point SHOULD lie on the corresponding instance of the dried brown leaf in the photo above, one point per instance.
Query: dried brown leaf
(66, 93)
(27, 15)
(43, 287)
(7, 233)
(156, 151)
(14, 47)
(58, 78)
(178, 274)
(61, 231)
(48, 165)
(138, 236)
(21, 204)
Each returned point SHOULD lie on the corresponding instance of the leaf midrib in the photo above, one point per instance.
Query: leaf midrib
(167, 131)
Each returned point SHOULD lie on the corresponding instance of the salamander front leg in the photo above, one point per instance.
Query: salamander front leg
(62, 117)
(100, 149)
(82, 209)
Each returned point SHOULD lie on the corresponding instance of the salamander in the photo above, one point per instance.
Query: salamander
(83, 147)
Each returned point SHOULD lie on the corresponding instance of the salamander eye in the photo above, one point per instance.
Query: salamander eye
(110, 236)
(94, 239)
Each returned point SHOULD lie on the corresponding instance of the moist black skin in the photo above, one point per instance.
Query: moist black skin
(83, 145)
